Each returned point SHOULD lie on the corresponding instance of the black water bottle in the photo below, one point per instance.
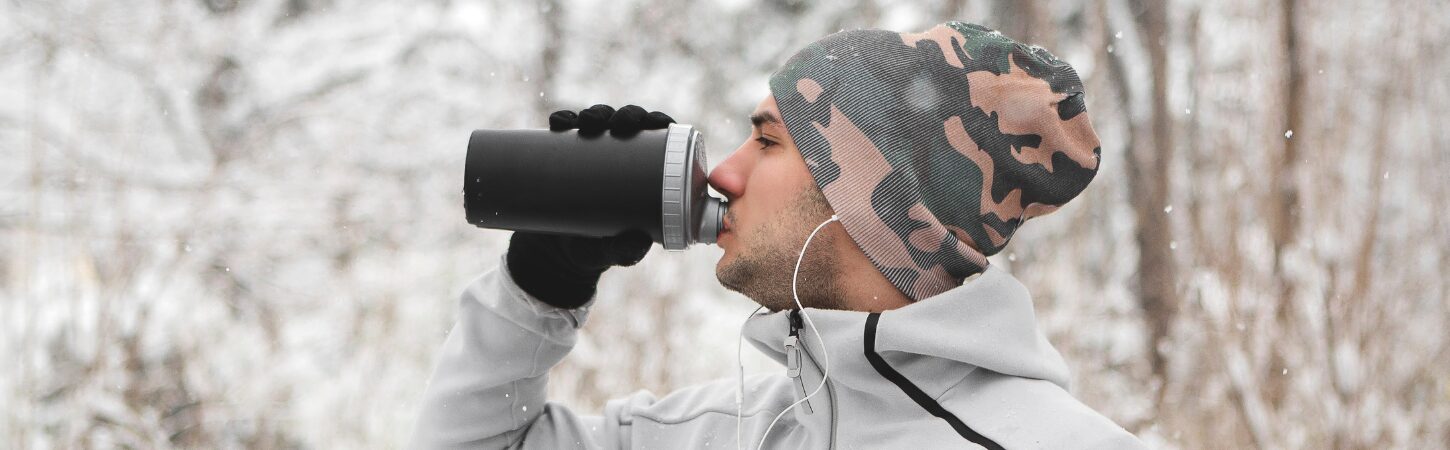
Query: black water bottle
(563, 182)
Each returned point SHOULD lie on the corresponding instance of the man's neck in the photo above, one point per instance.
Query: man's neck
(870, 296)
(862, 285)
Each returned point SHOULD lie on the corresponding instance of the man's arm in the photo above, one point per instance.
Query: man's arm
(487, 390)
(518, 320)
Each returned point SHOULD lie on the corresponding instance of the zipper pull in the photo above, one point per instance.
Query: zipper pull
(792, 357)
(793, 368)
(793, 365)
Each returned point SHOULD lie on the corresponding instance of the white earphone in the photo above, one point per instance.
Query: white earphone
(826, 357)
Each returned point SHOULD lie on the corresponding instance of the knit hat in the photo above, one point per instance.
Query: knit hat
(934, 147)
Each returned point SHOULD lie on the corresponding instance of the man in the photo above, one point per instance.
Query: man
(881, 171)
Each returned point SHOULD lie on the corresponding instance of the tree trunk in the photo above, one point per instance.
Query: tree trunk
(1148, 178)
(1284, 201)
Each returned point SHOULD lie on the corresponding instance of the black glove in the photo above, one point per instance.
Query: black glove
(564, 271)
(622, 123)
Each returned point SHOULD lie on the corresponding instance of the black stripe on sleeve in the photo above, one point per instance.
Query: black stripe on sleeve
(916, 394)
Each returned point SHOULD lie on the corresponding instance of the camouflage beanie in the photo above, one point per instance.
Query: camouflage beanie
(934, 147)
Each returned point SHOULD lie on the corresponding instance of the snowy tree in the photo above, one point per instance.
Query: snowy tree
(230, 224)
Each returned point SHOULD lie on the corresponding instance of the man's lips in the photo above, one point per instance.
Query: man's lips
(725, 229)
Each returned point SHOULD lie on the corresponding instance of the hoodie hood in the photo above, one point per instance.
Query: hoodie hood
(986, 323)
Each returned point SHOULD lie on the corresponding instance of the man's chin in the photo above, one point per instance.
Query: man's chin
(720, 268)
(734, 277)
(720, 273)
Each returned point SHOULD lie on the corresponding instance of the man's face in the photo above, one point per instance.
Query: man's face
(774, 205)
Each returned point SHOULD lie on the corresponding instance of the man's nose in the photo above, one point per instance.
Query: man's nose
(726, 178)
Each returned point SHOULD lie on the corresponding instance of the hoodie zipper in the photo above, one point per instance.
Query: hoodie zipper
(793, 357)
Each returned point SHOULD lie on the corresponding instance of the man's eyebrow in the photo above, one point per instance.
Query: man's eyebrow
(764, 117)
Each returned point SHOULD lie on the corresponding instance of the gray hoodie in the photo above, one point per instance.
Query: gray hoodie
(967, 368)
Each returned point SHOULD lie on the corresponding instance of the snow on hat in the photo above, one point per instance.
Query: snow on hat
(934, 147)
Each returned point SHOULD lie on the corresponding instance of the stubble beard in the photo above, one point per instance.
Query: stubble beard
(763, 269)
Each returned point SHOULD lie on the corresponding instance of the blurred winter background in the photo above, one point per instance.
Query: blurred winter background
(237, 224)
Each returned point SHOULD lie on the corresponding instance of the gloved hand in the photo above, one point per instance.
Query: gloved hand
(622, 123)
(564, 271)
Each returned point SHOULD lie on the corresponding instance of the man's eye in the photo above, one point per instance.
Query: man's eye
(763, 142)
